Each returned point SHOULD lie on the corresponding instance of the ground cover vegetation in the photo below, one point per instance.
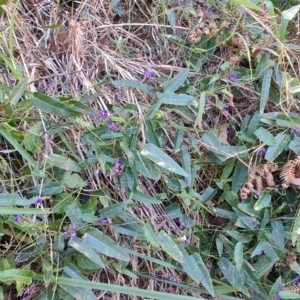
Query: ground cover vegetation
(150, 149)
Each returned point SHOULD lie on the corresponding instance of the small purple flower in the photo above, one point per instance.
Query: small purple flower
(208, 121)
(262, 151)
(38, 201)
(101, 114)
(281, 286)
(112, 127)
(216, 119)
(226, 113)
(117, 169)
(48, 86)
(183, 224)
(147, 73)
(296, 281)
(277, 297)
(187, 241)
(227, 131)
(260, 253)
(232, 77)
(102, 221)
(243, 200)
(209, 97)
(71, 232)
(29, 291)
(17, 218)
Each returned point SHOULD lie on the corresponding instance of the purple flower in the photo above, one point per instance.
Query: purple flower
(187, 241)
(260, 253)
(243, 200)
(48, 86)
(147, 73)
(29, 291)
(227, 130)
(208, 121)
(102, 221)
(281, 286)
(296, 280)
(71, 232)
(38, 201)
(232, 77)
(262, 151)
(264, 7)
(101, 114)
(226, 113)
(111, 127)
(17, 218)
(117, 169)
(216, 119)
(183, 224)
(277, 297)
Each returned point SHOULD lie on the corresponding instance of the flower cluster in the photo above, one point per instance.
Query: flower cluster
(27, 294)
(17, 218)
(71, 232)
(38, 201)
(232, 77)
(183, 224)
(147, 74)
(117, 169)
(101, 114)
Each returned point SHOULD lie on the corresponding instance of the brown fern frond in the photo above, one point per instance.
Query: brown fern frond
(259, 179)
(290, 173)
(292, 288)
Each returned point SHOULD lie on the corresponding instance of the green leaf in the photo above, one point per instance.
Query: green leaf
(175, 99)
(196, 269)
(52, 106)
(17, 92)
(18, 147)
(64, 163)
(48, 188)
(232, 275)
(169, 246)
(247, 3)
(77, 292)
(296, 228)
(47, 271)
(85, 248)
(112, 210)
(294, 145)
(163, 160)
(265, 136)
(265, 89)
(32, 139)
(18, 275)
(122, 289)
(251, 280)
(147, 168)
(104, 244)
(239, 176)
(172, 19)
(238, 255)
(72, 181)
(200, 113)
(263, 201)
(144, 198)
(150, 236)
(290, 13)
(276, 149)
(288, 295)
(250, 222)
(178, 139)
(80, 107)
(128, 83)
(175, 83)
(186, 162)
